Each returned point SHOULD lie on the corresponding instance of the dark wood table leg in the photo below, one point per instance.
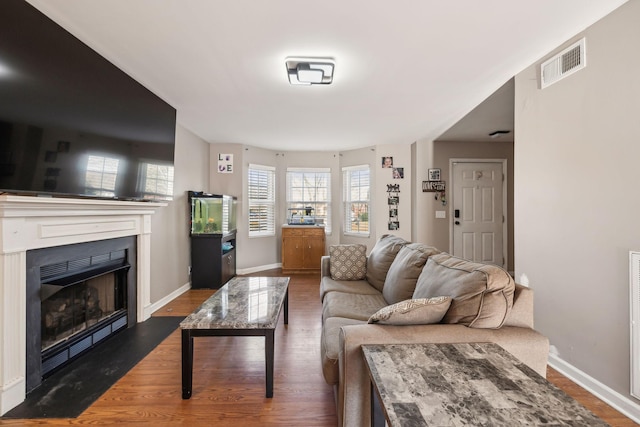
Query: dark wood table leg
(268, 357)
(286, 307)
(187, 363)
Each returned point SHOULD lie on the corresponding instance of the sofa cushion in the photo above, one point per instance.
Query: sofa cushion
(327, 284)
(351, 306)
(482, 294)
(348, 262)
(404, 272)
(423, 311)
(381, 257)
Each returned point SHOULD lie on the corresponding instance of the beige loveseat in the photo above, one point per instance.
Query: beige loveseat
(413, 293)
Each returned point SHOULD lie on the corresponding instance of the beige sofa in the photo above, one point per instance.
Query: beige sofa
(413, 293)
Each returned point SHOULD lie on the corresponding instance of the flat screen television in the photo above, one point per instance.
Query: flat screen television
(72, 123)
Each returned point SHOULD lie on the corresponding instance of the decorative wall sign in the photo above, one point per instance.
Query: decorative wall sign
(434, 174)
(432, 186)
(438, 187)
(225, 163)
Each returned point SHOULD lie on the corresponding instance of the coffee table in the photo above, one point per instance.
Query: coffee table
(245, 306)
(465, 384)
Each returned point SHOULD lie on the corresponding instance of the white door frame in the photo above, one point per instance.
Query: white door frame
(505, 228)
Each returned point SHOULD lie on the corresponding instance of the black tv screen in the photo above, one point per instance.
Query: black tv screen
(72, 123)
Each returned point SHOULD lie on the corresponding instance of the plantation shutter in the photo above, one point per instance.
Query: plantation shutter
(261, 190)
(356, 196)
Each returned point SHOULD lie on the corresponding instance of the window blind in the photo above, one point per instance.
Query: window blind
(261, 190)
(356, 196)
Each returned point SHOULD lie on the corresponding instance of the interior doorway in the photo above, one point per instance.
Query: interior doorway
(478, 210)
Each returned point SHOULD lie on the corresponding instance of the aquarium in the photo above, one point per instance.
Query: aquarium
(212, 213)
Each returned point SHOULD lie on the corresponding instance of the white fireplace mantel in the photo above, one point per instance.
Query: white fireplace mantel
(39, 222)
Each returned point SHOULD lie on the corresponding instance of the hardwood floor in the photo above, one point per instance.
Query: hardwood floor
(228, 387)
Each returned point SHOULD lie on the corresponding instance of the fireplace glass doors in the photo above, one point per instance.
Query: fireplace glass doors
(82, 302)
(74, 308)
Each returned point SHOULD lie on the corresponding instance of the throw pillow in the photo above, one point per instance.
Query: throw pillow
(422, 311)
(482, 294)
(348, 262)
(404, 272)
(381, 257)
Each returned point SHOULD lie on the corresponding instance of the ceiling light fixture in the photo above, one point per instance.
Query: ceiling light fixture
(499, 133)
(310, 71)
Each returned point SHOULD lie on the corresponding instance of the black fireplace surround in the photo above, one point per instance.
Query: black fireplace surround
(77, 295)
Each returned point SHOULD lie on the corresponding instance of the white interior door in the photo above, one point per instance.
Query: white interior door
(478, 211)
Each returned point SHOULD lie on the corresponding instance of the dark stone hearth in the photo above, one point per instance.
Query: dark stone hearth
(67, 393)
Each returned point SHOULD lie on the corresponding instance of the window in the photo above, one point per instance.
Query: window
(261, 190)
(100, 179)
(356, 197)
(310, 188)
(156, 180)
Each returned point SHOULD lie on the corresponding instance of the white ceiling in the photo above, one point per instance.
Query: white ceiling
(406, 70)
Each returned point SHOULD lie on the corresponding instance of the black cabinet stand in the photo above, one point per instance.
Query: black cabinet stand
(211, 264)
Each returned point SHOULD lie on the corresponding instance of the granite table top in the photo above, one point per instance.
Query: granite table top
(242, 303)
(477, 384)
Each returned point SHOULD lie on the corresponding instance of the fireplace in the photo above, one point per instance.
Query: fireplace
(31, 224)
(77, 296)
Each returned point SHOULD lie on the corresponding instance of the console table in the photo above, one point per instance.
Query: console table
(465, 384)
(245, 306)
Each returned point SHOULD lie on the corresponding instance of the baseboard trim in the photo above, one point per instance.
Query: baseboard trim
(12, 394)
(166, 300)
(621, 403)
(259, 268)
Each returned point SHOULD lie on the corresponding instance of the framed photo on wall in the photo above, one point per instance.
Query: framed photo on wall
(434, 174)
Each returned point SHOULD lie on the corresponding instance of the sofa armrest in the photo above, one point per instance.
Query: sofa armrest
(521, 314)
(325, 266)
(354, 392)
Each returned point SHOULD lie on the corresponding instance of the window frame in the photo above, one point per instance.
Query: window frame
(327, 203)
(267, 203)
(348, 201)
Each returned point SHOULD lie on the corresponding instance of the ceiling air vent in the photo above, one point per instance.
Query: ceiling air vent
(563, 64)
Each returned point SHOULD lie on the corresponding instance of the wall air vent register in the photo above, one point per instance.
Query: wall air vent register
(564, 64)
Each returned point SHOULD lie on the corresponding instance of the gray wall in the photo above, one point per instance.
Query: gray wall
(576, 176)
(170, 255)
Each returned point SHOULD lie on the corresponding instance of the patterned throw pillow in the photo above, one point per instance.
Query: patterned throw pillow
(348, 262)
(422, 311)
